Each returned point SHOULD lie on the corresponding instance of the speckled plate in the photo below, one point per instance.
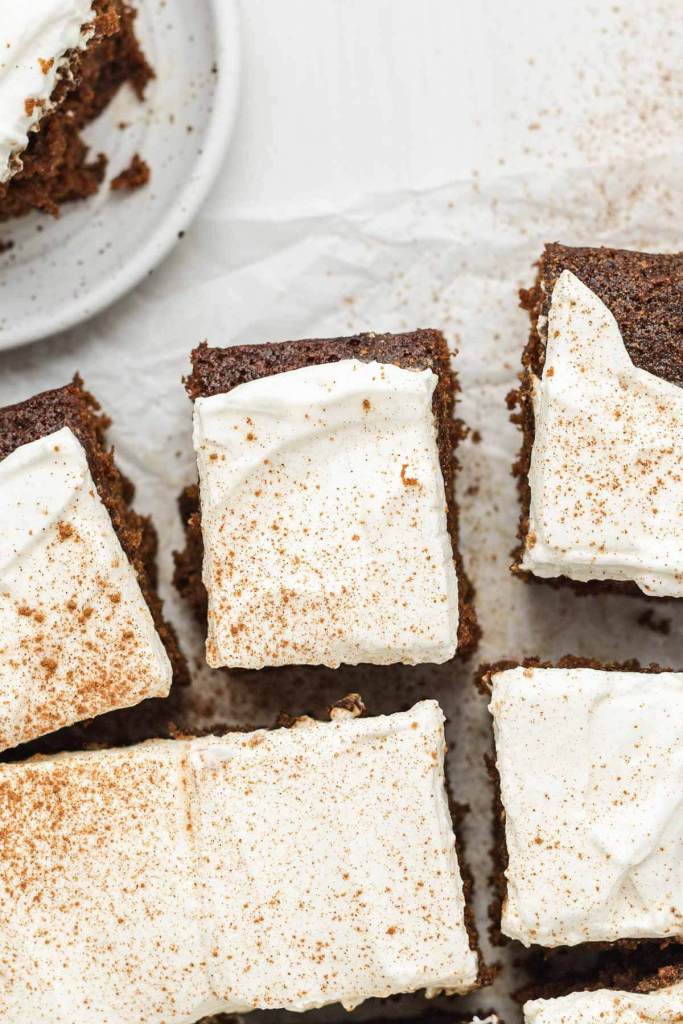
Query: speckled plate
(61, 272)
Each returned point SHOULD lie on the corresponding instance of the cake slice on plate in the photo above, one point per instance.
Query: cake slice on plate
(61, 62)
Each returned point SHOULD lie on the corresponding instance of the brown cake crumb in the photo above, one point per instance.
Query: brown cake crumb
(55, 166)
(135, 176)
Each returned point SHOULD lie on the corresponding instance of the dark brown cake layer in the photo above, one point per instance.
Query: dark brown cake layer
(486, 974)
(644, 292)
(499, 849)
(74, 407)
(219, 370)
(645, 973)
(429, 1014)
(666, 976)
(55, 165)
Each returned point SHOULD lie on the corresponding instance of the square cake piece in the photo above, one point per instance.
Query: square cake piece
(601, 409)
(328, 526)
(61, 62)
(289, 869)
(354, 814)
(99, 917)
(589, 766)
(81, 626)
(657, 1000)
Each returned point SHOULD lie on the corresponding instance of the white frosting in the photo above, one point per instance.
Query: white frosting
(324, 520)
(359, 893)
(609, 1007)
(607, 460)
(35, 39)
(76, 636)
(99, 916)
(591, 776)
(281, 869)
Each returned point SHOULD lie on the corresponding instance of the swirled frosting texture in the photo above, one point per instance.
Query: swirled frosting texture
(664, 1006)
(287, 869)
(76, 636)
(606, 474)
(36, 37)
(591, 777)
(324, 520)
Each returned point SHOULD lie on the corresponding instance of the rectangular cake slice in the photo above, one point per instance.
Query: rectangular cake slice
(328, 525)
(354, 814)
(81, 626)
(99, 917)
(589, 767)
(656, 1001)
(61, 63)
(601, 408)
(275, 869)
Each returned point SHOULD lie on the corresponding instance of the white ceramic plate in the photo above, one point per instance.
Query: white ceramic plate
(60, 272)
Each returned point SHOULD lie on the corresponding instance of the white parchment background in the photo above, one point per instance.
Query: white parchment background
(397, 164)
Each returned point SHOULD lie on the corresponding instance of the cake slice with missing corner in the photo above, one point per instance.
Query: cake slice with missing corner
(61, 62)
(327, 525)
(81, 625)
(590, 813)
(289, 869)
(601, 408)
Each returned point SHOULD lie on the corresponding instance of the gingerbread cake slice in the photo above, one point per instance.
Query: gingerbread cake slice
(61, 62)
(655, 1000)
(588, 765)
(81, 625)
(290, 868)
(601, 409)
(327, 526)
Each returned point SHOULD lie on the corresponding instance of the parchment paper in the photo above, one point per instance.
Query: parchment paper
(559, 122)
